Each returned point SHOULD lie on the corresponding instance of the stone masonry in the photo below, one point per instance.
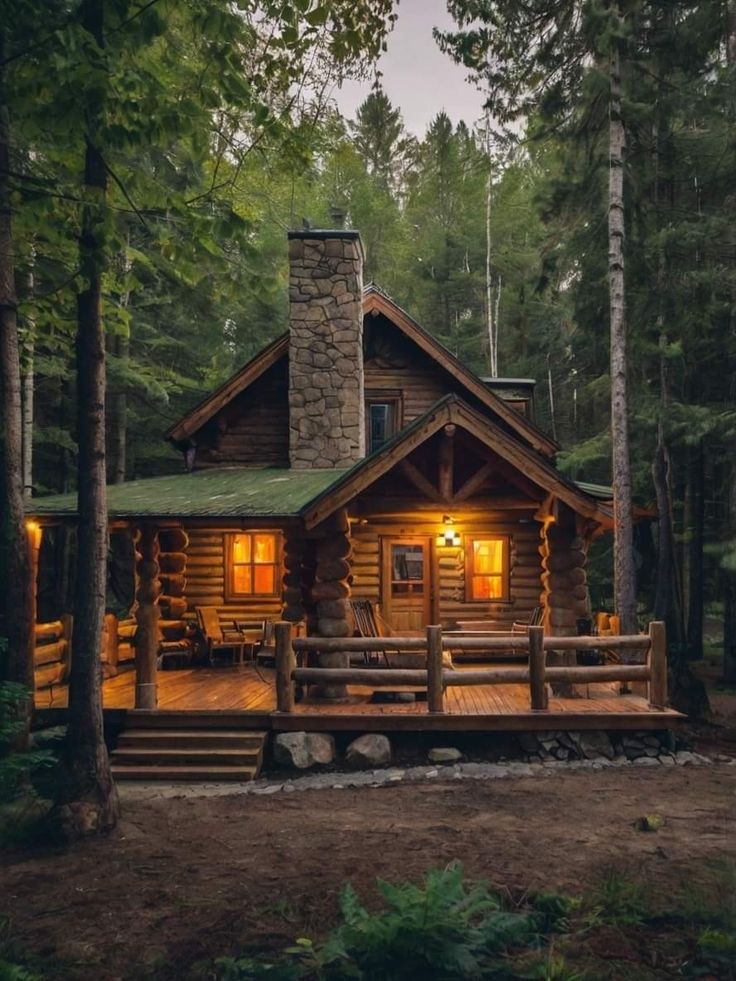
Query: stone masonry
(326, 416)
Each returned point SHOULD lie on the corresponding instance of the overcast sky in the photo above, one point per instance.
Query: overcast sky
(417, 76)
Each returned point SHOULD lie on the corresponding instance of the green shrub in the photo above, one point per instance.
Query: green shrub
(20, 805)
(438, 931)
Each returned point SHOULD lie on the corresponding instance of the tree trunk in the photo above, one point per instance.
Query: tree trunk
(90, 798)
(624, 579)
(728, 575)
(19, 593)
(118, 400)
(492, 352)
(28, 376)
(694, 535)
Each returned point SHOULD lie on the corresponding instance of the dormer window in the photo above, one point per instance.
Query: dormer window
(382, 418)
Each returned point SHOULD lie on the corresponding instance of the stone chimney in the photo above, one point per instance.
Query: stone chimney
(326, 412)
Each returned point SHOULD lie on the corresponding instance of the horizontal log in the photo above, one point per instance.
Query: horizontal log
(373, 677)
(487, 642)
(203, 556)
(639, 642)
(49, 631)
(604, 672)
(126, 652)
(50, 674)
(49, 653)
(357, 644)
(205, 599)
(486, 676)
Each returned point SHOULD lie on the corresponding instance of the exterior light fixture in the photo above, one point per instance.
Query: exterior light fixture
(449, 536)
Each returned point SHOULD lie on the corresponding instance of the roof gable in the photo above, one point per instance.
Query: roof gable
(451, 410)
(374, 301)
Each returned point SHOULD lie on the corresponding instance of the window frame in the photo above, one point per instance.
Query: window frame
(390, 397)
(230, 592)
(505, 575)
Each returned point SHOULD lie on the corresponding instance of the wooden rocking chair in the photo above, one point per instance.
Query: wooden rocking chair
(218, 636)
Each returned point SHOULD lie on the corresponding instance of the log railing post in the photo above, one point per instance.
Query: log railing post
(285, 664)
(657, 660)
(434, 669)
(147, 614)
(537, 669)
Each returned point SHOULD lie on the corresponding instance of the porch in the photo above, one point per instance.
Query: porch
(249, 695)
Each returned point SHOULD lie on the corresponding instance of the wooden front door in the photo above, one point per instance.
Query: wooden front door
(406, 582)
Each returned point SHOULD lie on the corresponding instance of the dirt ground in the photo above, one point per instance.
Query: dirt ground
(183, 881)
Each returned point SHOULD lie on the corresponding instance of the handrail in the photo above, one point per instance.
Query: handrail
(436, 678)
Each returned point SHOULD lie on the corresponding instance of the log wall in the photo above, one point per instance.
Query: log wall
(253, 428)
(449, 564)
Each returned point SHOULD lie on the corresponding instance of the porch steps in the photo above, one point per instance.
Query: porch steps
(179, 752)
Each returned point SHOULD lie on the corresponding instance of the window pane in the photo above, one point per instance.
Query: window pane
(242, 582)
(488, 556)
(487, 587)
(264, 548)
(264, 579)
(241, 548)
(407, 561)
(380, 424)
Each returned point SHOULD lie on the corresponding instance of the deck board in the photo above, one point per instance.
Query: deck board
(245, 689)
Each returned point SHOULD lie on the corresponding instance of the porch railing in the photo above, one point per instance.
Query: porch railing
(436, 678)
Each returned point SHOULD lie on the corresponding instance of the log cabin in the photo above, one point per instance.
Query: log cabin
(354, 458)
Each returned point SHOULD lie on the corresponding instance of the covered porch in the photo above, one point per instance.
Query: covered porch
(249, 696)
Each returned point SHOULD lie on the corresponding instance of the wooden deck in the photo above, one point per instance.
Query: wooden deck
(250, 693)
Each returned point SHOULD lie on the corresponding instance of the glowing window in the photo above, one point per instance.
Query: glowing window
(486, 568)
(253, 564)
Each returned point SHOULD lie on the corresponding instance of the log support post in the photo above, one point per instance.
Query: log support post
(148, 589)
(657, 659)
(435, 702)
(446, 463)
(330, 593)
(537, 669)
(564, 584)
(293, 585)
(285, 665)
(34, 536)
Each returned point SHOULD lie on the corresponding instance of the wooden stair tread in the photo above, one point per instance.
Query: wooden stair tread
(196, 733)
(179, 752)
(205, 774)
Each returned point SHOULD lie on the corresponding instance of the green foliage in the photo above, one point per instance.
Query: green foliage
(21, 808)
(441, 929)
(618, 900)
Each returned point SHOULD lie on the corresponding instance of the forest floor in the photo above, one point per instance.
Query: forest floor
(185, 880)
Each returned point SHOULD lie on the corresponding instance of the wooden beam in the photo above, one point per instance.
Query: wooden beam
(285, 664)
(435, 700)
(446, 461)
(474, 483)
(657, 665)
(537, 669)
(421, 483)
(148, 590)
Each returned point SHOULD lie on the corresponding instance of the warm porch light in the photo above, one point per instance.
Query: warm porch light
(449, 536)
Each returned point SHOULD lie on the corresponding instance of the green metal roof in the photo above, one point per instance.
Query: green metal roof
(599, 491)
(225, 492)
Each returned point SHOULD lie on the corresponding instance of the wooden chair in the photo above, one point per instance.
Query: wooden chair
(370, 623)
(535, 620)
(218, 636)
(264, 649)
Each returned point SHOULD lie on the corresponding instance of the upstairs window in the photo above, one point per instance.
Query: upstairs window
(383, 419)
(252, 559)
(486, 568)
